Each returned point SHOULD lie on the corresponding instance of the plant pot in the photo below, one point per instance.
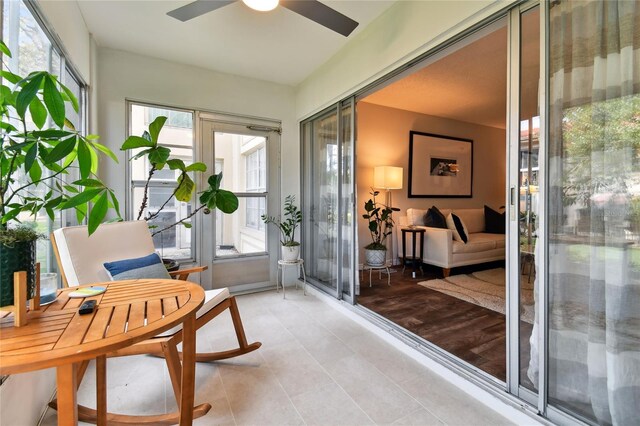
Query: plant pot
(375, 257)
(21, 256)
(290, 253)
(170, 264)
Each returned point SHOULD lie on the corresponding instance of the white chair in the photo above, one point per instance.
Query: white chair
(81, 260)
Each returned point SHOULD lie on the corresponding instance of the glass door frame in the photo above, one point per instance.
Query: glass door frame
(342, 225)
(513, 258)
(271, 130)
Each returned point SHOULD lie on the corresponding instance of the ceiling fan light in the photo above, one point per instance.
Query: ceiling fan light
(262, 5)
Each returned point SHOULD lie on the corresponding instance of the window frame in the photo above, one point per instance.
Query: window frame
(132, 184)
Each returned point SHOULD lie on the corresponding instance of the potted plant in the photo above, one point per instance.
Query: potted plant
(39, 148)
(159, 157)
(380, 225)
(287, 227)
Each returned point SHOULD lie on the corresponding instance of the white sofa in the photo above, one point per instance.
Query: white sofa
(441, 250)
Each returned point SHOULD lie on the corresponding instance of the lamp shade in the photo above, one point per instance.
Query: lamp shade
(387, 177)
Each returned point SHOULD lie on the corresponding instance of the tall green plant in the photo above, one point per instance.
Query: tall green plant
(40, 146)
(159, 157)
(380, 221)
(287, 227)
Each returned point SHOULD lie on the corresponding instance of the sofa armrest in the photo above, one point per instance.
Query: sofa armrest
(438, 246)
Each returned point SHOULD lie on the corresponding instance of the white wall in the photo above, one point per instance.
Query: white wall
(66, 21)
(128, 76)
(406, 30)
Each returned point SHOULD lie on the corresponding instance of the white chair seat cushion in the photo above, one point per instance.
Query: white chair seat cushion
(212, 298)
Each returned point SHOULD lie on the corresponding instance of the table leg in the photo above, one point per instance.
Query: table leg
(101, 390)
(404, 250)
(414, 255)
(67, 382)
(304, 280)
(188, 370)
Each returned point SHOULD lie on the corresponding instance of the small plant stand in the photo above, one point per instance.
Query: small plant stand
(385, 266)
(19, 307)
(282, 264)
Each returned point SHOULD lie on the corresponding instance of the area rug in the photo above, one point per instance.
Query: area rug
(486, 289)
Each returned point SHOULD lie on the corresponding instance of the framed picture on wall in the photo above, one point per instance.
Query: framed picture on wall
(440, 166)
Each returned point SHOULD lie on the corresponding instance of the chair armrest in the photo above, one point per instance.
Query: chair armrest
(183, 274)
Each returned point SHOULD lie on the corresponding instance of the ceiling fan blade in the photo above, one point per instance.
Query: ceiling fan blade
(322, 14)
(197, 8)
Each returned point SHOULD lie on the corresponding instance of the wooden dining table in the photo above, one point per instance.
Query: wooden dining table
(128, 312)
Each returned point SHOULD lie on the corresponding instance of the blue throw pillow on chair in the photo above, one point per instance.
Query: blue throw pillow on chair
(150, 266)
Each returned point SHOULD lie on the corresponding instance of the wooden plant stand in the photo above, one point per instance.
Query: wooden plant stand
(19, 307)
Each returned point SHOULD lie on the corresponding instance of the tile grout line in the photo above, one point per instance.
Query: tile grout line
(276, 377)
(224, 388)
(377, 369)
(323, 368)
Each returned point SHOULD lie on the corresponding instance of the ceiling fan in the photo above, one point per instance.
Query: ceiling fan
(311, 9)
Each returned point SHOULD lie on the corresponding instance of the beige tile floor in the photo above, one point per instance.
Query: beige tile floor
(316, 367)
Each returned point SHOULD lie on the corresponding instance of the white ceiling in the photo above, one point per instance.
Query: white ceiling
(469, 83)
(279, 46)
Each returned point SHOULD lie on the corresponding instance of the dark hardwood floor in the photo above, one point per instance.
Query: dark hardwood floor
(470, 332)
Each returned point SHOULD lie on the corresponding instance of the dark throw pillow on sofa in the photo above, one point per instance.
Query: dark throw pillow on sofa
(435, 219)
(494, 222)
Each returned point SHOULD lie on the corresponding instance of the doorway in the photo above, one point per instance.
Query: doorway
(239, 248)
(457, 301)
(480, 90)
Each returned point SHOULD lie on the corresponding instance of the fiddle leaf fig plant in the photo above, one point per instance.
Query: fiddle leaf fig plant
(380, 221)
(158, 156)
(40, 147)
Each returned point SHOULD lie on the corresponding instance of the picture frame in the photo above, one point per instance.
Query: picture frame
(440, 166)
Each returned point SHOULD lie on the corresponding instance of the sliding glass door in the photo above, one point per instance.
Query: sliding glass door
(328, 228)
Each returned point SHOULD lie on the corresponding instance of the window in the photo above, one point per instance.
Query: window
(256, 174)
(33, 49)
(174, 118)
(178, 136)
(243, 160)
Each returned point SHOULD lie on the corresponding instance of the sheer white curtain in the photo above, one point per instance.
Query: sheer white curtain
(594, 216)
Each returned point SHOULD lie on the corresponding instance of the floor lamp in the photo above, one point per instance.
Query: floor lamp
(388, 178)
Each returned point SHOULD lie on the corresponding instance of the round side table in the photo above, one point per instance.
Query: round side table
(282, 264)
(379, 268)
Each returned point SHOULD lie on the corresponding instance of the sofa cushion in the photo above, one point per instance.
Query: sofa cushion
(478, 242)
(457, 226)
(415, 217)
(435, 219)
(472, 218)
(494, 222)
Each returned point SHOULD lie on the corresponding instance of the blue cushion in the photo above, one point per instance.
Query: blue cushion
(150, 266)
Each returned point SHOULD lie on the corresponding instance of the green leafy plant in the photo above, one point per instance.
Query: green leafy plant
(159, 157)
(40, 146)
(19, 234)
(380, 221)
(287, 227)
